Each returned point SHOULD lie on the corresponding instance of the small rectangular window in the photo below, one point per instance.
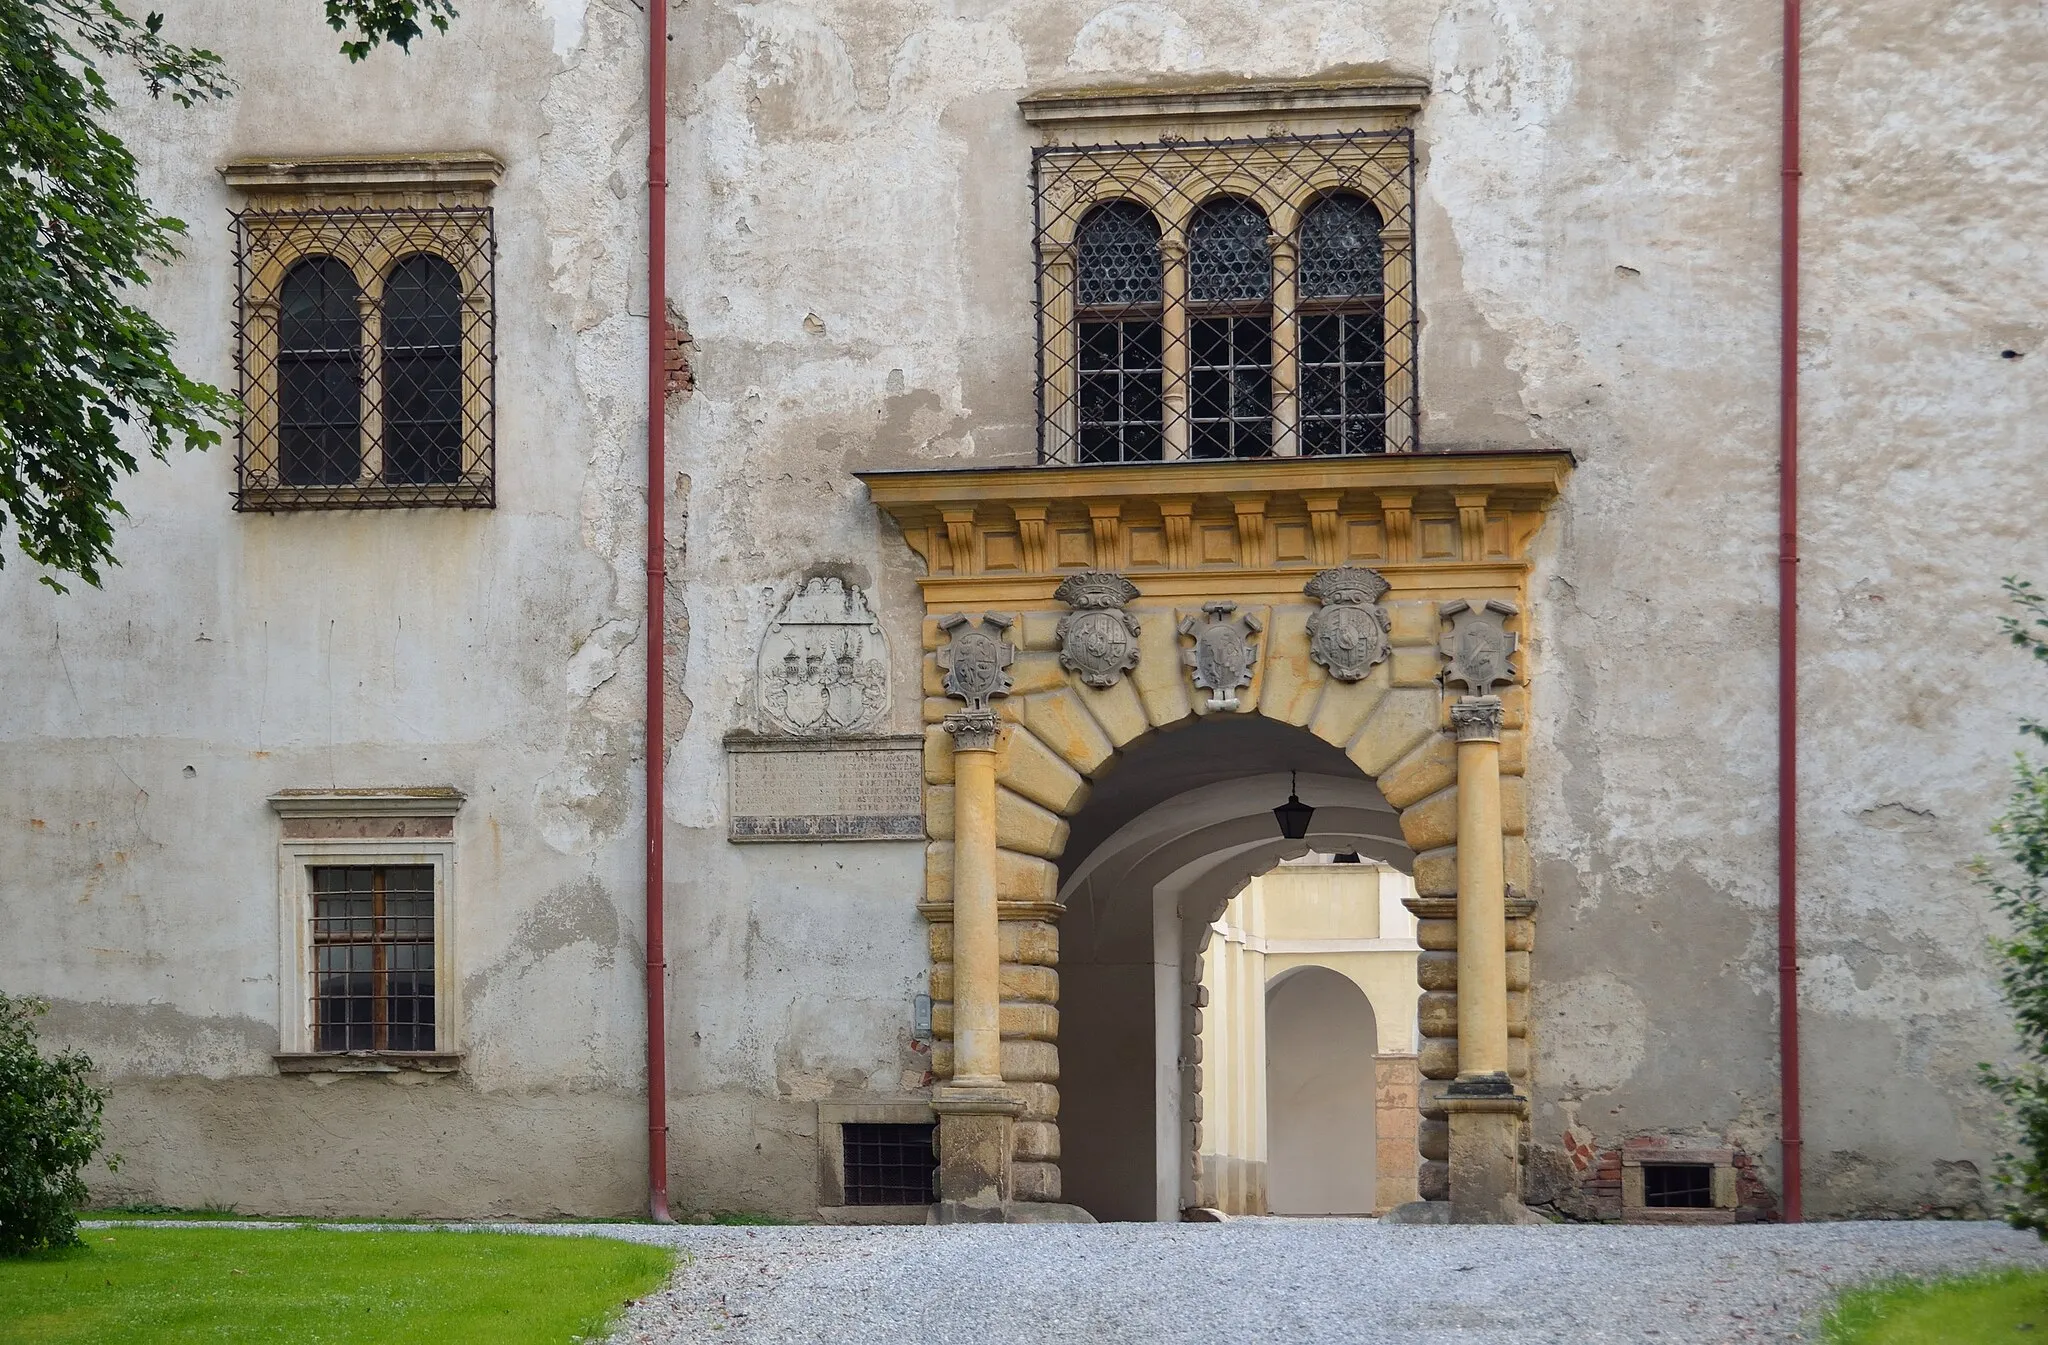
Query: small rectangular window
(889, 1164)
(1678, 1186)
(373, 958)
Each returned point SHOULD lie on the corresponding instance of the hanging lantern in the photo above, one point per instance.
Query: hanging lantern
(1293, 815)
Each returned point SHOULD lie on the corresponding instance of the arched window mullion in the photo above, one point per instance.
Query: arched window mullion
(1119, 282)
(421, 397)
(1230, 331)
(319, 375)
(1341, 306)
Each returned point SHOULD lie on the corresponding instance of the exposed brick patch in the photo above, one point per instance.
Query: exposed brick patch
(1592, 1190)
(675, 357)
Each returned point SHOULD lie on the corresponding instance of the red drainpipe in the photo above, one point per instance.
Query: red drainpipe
(1788, 625)
(657, 595)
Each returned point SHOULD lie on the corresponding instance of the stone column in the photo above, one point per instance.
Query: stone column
(977, 1114)
(1484, 1110)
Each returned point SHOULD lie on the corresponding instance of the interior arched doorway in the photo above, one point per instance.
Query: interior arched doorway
(1179, 828)
(1321, 1048)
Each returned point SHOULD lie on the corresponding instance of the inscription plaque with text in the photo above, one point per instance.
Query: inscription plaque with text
(826, 789)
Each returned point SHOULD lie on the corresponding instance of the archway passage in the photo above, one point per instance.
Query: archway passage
(1188, 556)
(1322, 1043)
(1174, 833)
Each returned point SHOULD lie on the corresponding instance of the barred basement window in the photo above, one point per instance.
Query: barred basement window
(889, 1164)
(1204, 299)
(365, 333)
(1678, 1186)
(373, 949)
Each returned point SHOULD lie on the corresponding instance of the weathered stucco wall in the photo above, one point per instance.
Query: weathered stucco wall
(850, 225)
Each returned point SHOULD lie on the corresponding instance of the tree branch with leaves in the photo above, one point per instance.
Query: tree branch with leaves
(2019, 890)
(86, 375)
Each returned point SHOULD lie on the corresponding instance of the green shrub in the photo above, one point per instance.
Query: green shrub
(49, 1131)
(2019, 890)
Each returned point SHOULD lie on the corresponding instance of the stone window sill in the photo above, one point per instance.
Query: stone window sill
(369, 1062)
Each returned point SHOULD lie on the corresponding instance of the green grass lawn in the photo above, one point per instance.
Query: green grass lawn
(2000, 1305)
(150, 1285)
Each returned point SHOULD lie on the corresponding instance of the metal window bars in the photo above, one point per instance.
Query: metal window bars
(365, 345)
(373, 958)
(889, 1164)
(1202, 299)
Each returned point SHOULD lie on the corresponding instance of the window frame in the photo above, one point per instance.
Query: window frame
(298, 856)
(1283, 175)
(368, 212)
(371, 244)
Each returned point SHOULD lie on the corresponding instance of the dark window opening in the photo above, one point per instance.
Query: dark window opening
(422, 373)
(1678, 1186)
(1230, 331)
(319, 375)
(1119, 275)
(1343, 326)
(889, 1164)
(373, 948)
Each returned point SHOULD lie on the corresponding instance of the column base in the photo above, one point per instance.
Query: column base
(1486, 1138)
(1014, 1212)
(977, 1123)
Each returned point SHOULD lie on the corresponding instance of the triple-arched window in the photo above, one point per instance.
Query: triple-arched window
(1226, 300)
(1330, 348)
(321, 402)
(365, 349)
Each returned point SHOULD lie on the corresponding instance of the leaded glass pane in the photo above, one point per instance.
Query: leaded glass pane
(1117, 260)
(1120, 376)
(1340, 249)
(1227, 257)
(319, 368)
(1343, 383)
(422, 372)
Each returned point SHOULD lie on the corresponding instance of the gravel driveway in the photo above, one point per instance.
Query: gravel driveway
(1281, 1281)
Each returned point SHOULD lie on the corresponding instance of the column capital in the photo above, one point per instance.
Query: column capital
(972, 730)
(1476, 719)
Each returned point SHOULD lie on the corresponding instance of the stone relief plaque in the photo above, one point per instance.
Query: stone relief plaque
(1479, 645)
(1348, 634)
(1098, 639)
(825, 789)
(1225, 651)
(824, 664)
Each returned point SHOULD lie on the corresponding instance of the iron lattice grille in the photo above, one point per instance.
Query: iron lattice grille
(373, 958)
(1226, 298)
(365, 342)
(888, 1164)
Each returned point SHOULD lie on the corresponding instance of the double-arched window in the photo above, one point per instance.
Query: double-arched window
(1226, 300)
(322, 404)
(365, 350)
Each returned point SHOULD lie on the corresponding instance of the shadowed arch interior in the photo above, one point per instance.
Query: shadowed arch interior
(1179, 825)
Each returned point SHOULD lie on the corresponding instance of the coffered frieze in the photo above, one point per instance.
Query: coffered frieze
(1424, 521)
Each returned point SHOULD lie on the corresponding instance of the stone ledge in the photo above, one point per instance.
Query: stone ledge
(368, 1062)
(403, 801)
(475, 170)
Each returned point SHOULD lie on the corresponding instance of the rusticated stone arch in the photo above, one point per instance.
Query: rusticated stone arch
(1060, 735)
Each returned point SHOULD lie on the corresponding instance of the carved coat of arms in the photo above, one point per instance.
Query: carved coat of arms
(976, 658)
(824, 665)
(1479, 645)
(1226, 650)
(1098, 639)
(1348, 636)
